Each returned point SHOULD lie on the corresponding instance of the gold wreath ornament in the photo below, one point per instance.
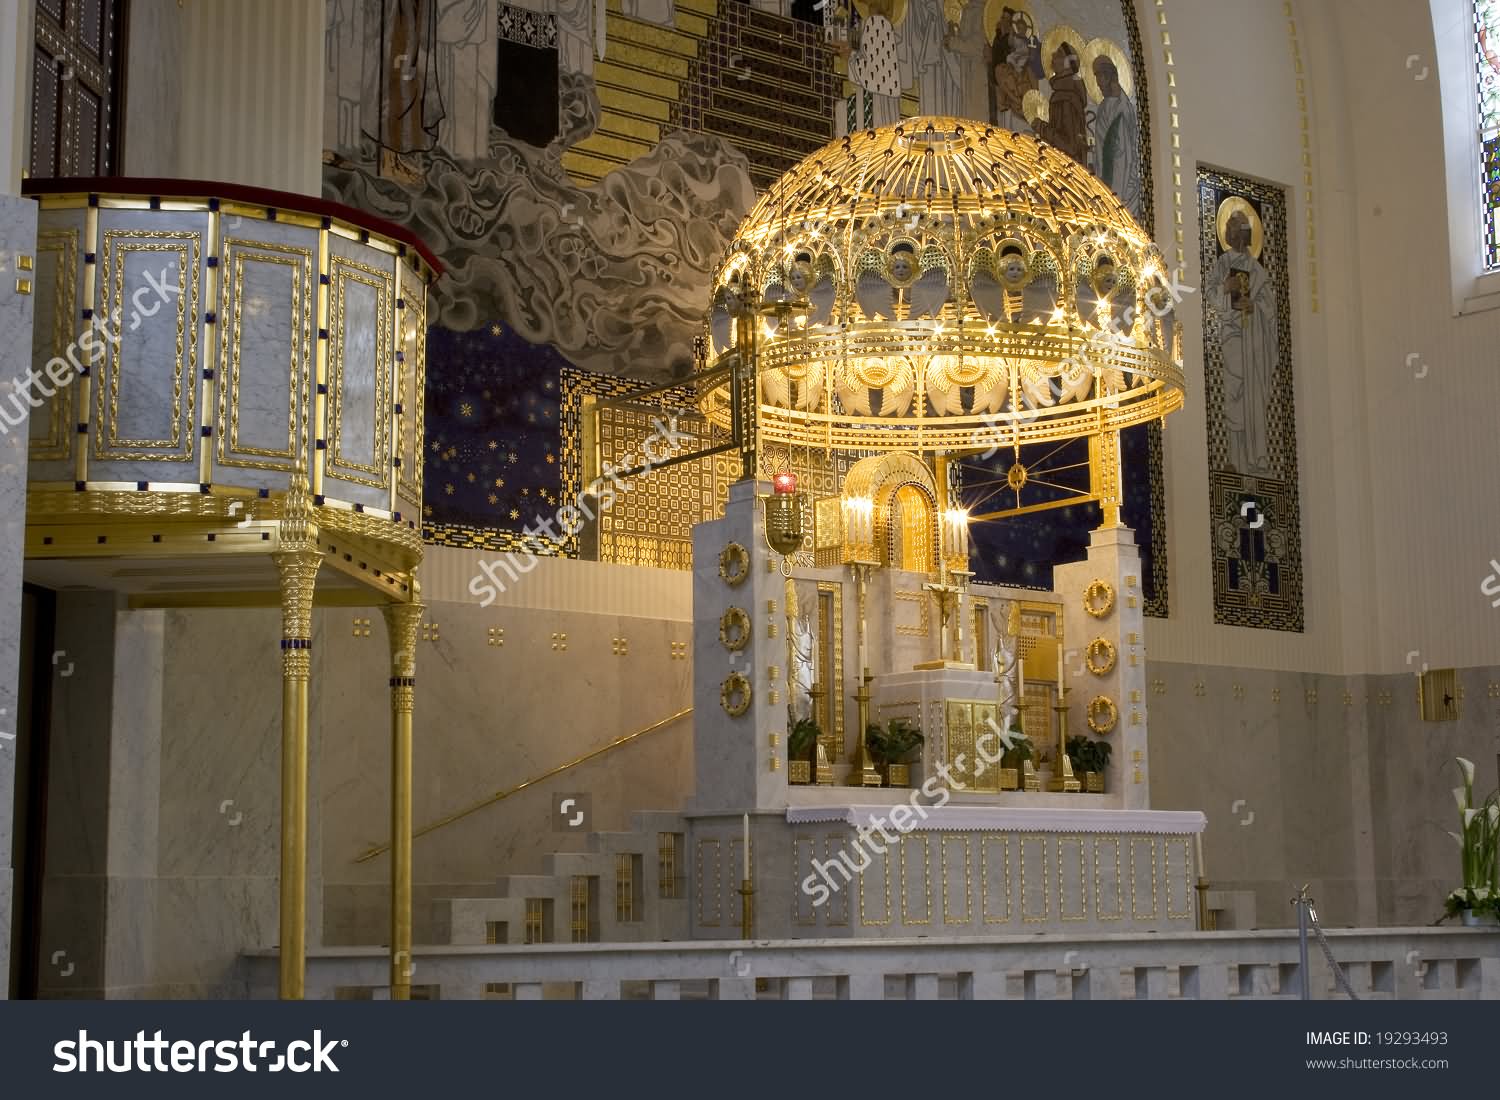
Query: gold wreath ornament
(734, 564)
(1102, 714)
(1100, 656)
(734, 695)
(734, 628)
(1099, 598)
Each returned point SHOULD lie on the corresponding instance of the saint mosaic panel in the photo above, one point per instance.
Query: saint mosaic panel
(1254, 512)
(1487, 61)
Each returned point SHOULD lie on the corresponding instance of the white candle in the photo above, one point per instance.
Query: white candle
(1198, 841)
(746, 847)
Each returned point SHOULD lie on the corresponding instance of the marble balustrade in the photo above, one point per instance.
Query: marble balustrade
(1381, 964)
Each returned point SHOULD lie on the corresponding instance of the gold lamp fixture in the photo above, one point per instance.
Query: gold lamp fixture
(939, 286)
(784, 515)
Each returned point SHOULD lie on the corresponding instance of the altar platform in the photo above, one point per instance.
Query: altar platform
(890, 866)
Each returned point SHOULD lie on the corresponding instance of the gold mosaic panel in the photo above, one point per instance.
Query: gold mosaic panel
(709, 863)
(56, 262)
(651, 518)
(411, 389)
(831, 653)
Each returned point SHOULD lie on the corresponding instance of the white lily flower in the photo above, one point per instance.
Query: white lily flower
(1460, 799)
(1456, 838)
(1469, 816)
(1467, 767)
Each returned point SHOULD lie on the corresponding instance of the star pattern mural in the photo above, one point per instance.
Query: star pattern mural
(493, 441)
(1024, 553)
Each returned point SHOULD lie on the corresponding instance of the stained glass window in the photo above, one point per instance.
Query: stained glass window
(1487, 63)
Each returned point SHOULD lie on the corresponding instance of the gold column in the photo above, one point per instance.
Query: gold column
(744, 386)
(862, 773)
(1104, 475)
(1063, 778)
(401, 622)
(297, 560)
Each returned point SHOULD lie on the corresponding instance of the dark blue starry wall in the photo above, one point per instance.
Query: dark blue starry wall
(493, 443)
(1021, 550)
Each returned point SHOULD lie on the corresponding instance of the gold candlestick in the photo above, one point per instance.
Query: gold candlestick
(1208, 921)
(822, 770)
(747, 908)
(863, 773)
(1063, 778)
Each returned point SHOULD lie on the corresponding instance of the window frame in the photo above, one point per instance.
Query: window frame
(1474, 289)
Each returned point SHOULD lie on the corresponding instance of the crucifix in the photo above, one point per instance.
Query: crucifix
(949, 589)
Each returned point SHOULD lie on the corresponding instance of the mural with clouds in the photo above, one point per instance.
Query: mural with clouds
(580, 165)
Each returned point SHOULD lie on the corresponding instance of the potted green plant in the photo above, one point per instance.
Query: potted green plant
(1477, 902)
(1090, 759)
(1080, 754)
(1013, 762)
(801, 748)
(894, 747)
(1098, 758)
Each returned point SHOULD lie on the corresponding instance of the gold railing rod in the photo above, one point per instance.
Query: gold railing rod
(433, 826)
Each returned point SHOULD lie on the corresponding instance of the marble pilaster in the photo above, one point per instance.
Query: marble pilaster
(17, 240)
(737, 767)
(1114, 560)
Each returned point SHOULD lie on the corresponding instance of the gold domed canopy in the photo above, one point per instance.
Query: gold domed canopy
(941, 285)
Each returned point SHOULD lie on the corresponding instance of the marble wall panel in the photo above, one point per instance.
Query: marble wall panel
(17, 237)
(145, 412)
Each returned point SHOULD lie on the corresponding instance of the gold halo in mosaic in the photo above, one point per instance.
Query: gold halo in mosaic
(1103, 47)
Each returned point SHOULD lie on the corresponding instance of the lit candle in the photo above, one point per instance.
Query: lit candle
(1198, 841)
(746, 847)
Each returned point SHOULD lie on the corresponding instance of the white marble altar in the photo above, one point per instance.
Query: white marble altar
(952, 851)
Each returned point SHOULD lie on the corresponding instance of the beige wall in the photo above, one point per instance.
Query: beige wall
(226, 90)
(1395, 469)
